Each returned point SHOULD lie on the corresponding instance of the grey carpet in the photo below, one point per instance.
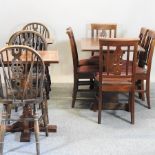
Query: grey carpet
(79, 134)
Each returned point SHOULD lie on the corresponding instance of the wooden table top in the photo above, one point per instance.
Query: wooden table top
(92, 44)
(47, 56)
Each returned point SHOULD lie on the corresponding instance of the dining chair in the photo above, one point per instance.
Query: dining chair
(143, 68)
(103, 30)
(23, 73)
(83, 70)
(38, 27)
(36, 41)
(116, 77)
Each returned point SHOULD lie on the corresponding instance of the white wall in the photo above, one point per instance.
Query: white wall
(130, 15)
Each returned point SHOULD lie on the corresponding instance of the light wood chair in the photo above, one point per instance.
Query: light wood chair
(41, 29)
(35, 40)
(117, 77)
(23, 73)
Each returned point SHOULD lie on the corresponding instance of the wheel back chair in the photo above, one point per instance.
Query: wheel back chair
(38, 27)
(36, 41)
(23, 73)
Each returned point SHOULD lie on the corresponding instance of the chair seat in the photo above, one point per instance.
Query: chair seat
(88, 69)
(115, 84)
(94, 60)
(86, 72)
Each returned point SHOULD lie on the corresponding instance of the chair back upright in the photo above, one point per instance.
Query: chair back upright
(38, 27)
(28, 38)
(73, 48)
(103, 30)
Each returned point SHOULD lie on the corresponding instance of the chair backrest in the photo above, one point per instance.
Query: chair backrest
(142, 36)
(117, 50)
(145, 59)
(28, 38)
(103, 30)
(23, 73)
(73, 48)
(38, 27)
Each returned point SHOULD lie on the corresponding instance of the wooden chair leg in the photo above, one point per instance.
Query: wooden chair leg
(36, 130)
(129, 102)
(132, 105)
(100, 107)
(45, 117)
(140, 86)
(46, 110)
(148, 93)
(75, 88)
(142, 94)
(2, 132)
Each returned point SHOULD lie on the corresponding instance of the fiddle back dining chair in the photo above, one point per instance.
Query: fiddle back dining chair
(117, 77)
(143, 69)
(83, 72)
(35, 40)
(103, 30)
(23, 73)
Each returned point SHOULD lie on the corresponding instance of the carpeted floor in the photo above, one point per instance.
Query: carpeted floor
(79, 134)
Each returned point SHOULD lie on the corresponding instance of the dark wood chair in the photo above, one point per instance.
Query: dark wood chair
(36, 41)
(103, 30)
(117, 77)
(38, 27)
(23, 73)
(143, 69)
(84, 70)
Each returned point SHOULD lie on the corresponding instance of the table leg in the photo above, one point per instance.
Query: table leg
(25, 126)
